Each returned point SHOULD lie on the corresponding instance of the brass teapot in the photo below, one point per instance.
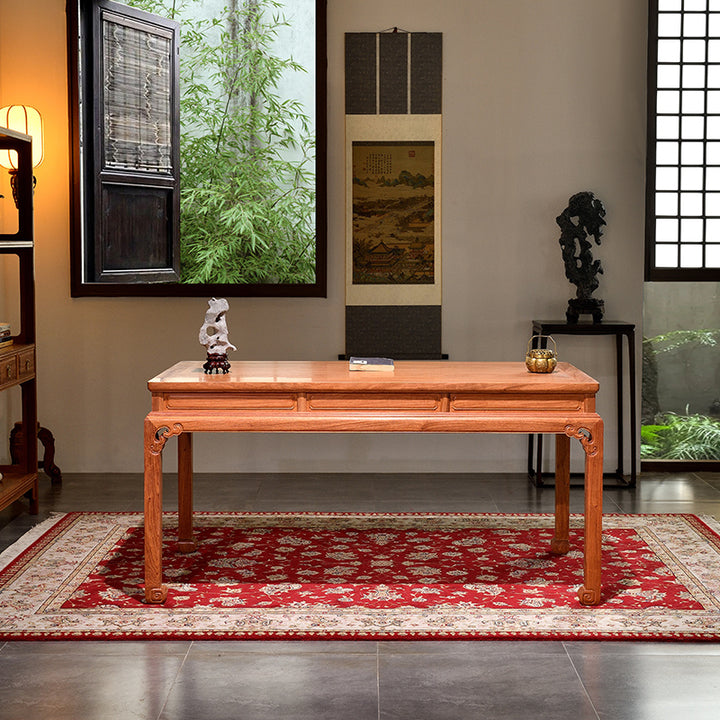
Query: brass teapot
(541, 359)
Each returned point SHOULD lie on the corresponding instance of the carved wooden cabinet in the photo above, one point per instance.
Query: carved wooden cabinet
(17, 360)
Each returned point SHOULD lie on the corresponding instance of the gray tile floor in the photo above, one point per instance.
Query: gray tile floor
(361, 680)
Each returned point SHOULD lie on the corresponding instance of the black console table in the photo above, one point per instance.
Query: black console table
(618, 329)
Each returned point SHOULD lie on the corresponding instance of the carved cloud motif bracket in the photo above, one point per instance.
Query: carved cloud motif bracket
(584, 435)
(162, 434)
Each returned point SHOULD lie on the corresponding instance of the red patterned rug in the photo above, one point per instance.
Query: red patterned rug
(342, 575)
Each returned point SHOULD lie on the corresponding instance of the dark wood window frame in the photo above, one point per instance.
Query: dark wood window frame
(83, 285)
(693, 124)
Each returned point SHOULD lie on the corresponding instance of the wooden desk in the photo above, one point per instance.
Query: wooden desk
(419, 396)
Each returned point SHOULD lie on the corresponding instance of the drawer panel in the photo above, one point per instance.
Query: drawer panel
(26, 364)
(8, 370)
(230, 401)
(507, 402)
(373, 402)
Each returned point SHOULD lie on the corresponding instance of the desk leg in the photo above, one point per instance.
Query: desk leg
(561, 542)
(186, 543)
(155, 591)
(589, 593)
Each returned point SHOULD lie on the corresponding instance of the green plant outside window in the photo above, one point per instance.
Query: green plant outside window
(247, 154)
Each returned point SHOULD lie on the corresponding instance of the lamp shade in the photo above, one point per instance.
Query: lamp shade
(24, 119)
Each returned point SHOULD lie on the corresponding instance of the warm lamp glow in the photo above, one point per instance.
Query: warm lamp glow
(24, 119)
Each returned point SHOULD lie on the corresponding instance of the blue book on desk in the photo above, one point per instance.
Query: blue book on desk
(371, 364)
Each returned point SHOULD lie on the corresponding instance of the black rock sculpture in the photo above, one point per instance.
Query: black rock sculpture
(582, 217)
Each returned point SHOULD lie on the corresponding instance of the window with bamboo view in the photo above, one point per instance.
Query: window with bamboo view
(200, 137)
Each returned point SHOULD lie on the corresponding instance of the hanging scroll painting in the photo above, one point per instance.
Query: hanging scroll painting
(393, 213)
(393, 232)
(393, 164)
(393, 145)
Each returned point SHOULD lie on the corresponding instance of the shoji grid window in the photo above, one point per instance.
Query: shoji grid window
(683, 174)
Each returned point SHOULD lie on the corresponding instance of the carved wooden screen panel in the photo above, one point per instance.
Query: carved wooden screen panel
(136, 203)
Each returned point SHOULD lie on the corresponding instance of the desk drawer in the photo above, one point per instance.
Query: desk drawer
(508, 402)
(26, 364)
(373, 402)
(230, 401)
(8, 370)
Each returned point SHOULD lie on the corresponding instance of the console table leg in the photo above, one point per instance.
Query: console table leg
(633, 411)
(155, 591)
(186, 542)
(620, 396)
(589, 593)
(561, 542)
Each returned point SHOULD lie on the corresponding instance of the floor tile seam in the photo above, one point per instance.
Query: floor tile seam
(698, 476)
(171, 686)
(581, 681)
(377, 678)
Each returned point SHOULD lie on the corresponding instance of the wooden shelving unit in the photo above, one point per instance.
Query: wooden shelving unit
(17, 361)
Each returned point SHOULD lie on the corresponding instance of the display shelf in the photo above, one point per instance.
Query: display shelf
(17, 360)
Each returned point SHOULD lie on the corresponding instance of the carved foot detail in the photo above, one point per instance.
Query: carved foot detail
(589, 596)
(156, 595)
(187, 546)
(559, 547)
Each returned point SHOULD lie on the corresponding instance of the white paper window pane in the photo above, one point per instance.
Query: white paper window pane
(697, 5)
(712, 178)
(712, 230)
(712, 207)
(668, 76)
(712, 5)
(712, 153)
(668, 101)
(669, 51)
(691, 231)
(712, 256)
(713, 51)
(691, 256)
(714, 27)
(691, 204)
(713, 127)
(693, 51)
(666, 256)
(694, 25)
(666, 178)
(692, 153)
(668, 127)
(713, 76)
(665, 5)
(693, 128)
(713, 101)
(666, 203)
(693, 76)
(669, 25)
(666, 153)
(691, 178)
(666, 230)
(693, 101)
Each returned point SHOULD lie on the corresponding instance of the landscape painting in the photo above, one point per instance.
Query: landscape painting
(393, 213)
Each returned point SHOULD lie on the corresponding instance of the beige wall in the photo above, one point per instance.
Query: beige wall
(542, 99)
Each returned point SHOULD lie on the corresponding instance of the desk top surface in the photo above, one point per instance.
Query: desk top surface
(408, 376)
